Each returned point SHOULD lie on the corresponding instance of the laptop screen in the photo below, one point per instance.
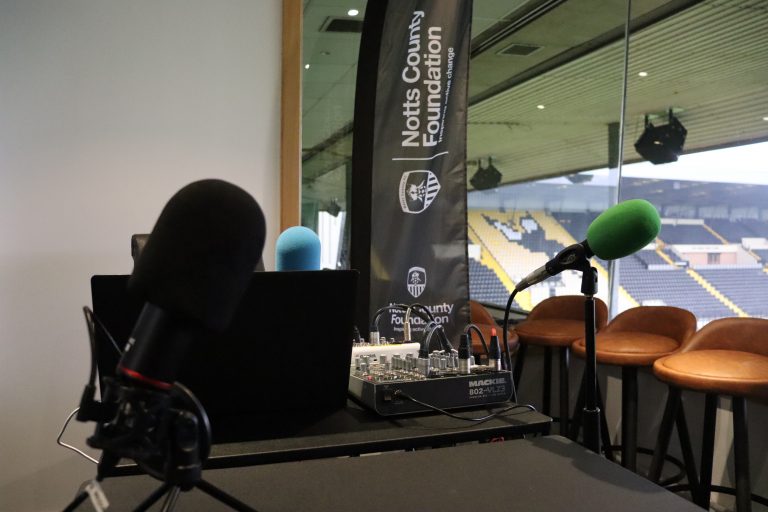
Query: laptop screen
(285, 355)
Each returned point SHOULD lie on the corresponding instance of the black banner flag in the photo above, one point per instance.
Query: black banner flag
(409, 193)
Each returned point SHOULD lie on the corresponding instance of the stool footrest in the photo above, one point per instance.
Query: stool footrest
(731, 491)
(673, 479)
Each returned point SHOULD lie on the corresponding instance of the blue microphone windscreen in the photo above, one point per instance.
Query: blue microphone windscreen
(298, 248)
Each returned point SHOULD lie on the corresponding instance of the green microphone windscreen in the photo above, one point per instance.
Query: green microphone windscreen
(623, 229)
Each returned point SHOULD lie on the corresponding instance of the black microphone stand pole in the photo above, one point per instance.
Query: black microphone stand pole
(591, 412)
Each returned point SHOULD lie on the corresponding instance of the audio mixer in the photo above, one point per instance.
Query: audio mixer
(393, 385)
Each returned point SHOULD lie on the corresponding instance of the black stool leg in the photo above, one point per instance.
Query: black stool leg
(629, 417)
(519, 362)
(565, 353)
(665, 433)
(546, 396)
(578, 410)
(741, 455)
(685, 446)
(707, 450)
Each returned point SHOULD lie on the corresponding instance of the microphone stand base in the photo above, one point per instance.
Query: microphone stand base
(172, 492)
(591, 419)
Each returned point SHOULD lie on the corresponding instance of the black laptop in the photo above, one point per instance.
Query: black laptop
(282, 363)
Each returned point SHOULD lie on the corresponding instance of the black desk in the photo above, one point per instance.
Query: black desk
(355, 430)
(546, 474)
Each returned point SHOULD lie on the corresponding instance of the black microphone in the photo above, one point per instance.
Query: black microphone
(619, 231)
(192, 273)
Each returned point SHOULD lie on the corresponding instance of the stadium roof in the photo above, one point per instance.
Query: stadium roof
(707, 59)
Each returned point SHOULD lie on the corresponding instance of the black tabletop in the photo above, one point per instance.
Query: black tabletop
(545, 474)
(355, 430)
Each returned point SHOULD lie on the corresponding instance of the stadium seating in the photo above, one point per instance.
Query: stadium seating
(759, 228)
(576, 223)
(762, 254)
(671, 287)
(485, 286)
(646, 276)
(651, 258)
(746, 287)
(733, 231)
(687, 234)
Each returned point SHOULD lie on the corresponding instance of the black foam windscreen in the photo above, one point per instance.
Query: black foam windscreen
(138, 242)
(200, 255)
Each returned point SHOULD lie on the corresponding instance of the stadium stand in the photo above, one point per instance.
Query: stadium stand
(762, 254)
(687, 234)
(757, 227)
(648, 277)
(733, 231)
(647, 258)
(575, 223)
(537, 241)
(672, 287)
(515, 259)
(745, 287)
(485, 286)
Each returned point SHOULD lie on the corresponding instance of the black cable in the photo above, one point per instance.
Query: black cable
(399, 307)
(456, 416)
(380, 311)
(426, 341)
(444, 341)
(507, 358)
(427, 318)
(473, 327)
(92, 339)
(90, 409)
(425, 309)
(106, 332)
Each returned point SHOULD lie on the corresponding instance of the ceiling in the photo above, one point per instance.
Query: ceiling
(706, 59)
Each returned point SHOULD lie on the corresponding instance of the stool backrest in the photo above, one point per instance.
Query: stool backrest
(742, 334)
(479, 315)
(676, 323)
(569, 307)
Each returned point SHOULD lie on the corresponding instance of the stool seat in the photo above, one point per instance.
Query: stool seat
(628, 348)
(550, 332)
(726, 372)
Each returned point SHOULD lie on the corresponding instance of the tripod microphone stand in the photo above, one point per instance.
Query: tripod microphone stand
(591, 412)
(166, 433)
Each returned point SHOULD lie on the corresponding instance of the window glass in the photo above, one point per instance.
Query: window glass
(711, 253)
(696, 106)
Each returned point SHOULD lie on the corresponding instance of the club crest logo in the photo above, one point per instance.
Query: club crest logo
(417, 190)
(417, 281)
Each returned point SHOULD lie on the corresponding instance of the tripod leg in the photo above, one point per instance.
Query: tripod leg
(152, 498)
(170, 499)
(79, 499)
(223, 497)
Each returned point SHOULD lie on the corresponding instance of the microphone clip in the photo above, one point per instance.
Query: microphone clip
(167, 433)
(573, 257)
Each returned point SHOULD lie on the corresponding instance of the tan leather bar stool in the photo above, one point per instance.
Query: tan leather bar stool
(555, 323)
(634, 339)
(485, 322)
(726, 357)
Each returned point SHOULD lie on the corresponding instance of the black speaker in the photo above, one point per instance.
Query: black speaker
(486, 178)
(662, 144)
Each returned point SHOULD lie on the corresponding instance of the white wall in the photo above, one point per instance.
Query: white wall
(107, 107)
